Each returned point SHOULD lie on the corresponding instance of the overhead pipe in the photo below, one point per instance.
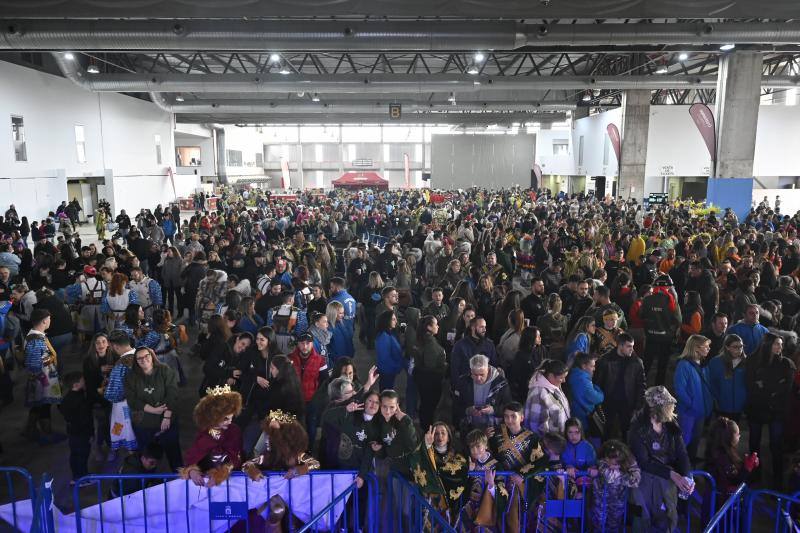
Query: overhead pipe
(406, 118)
(422, 35)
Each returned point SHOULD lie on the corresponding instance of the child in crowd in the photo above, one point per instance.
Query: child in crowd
(579, 454)
(479, 511)
(723, 460)
(76, 409)
(556, 487)
(140, 463)
(616, 472)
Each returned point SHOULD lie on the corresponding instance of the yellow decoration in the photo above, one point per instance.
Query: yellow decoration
(420, 478)
(281, 417)
(454, 465)
(456, 493)
(501, 488)
(216, 391)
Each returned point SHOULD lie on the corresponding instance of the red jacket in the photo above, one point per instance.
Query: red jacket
(311, 371)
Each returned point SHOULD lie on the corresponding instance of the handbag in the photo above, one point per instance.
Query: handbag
(597, 422)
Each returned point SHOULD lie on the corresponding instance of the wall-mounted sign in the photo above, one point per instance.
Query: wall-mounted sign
(667, 170)
(395, 111)
(658, 198)
(362, 162)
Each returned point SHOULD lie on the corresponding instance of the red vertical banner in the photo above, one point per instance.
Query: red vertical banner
(704, 120)
(407, 169)
(616, 141)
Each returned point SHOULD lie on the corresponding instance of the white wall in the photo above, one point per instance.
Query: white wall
(119, 132)
(249, 142)
(561, 165)
(492, 161)
(675, 147)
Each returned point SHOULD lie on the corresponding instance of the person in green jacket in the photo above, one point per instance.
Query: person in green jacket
(151, 389)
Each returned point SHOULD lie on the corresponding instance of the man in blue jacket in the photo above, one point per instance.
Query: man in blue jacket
(749, 329)
(693, 392)
(472, 343)
(584, 396)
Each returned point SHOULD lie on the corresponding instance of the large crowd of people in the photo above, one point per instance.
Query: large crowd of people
(510, 331)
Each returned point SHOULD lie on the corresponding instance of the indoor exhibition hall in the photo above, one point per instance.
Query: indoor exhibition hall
(386, 267)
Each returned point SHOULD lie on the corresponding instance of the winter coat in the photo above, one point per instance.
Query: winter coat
(311, 370)
(768, 387)
(692, 389)
(464, 349)
(390, 353)
(171, 272)
(341, 341)
(464, 397)
(611, 368)
(522, 368)
(658, 457)
(584, 396)
(751, 335)
(547, 407)
(730, 393)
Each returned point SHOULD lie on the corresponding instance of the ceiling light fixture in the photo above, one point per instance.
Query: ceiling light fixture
(479, 57)
(476, 82)
(726, 47)
(285, 71)
(92, 69)
(473, 71)
(683, 56)
(274, 58)
(315, 98)
(587, 97)
(179, 98)
(662, 70)
(69, 55)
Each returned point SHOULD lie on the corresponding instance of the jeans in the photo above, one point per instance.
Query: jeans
(692, 432)
(776, 431)
(79, 449)
(168, 440)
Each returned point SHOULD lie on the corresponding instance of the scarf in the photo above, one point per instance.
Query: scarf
(322, 335)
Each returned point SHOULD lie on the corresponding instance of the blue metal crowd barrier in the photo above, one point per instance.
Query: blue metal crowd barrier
(728, 517)
(355, 522)
(784, 514)
(556, 512)
(29, 492)
(230, 511)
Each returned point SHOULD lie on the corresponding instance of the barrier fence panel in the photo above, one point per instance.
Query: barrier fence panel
(549, 501)
(19, 487)
(729, 516)
(783, 513)
(164, 502)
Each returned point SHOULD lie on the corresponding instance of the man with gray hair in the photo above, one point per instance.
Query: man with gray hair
(479, 396)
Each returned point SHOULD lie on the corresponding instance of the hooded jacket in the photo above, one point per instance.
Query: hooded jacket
(547, 407)
(611, 368)
(692, 389)
(584, 395)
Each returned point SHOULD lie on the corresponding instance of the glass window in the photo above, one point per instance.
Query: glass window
(158, 148)
(188, 156)
(560, 147)
(234, 158)
(402, 133)
(321, 134)
(259, 159)
(18, 136)
(80, 143)
(277, 152)
(361, 134)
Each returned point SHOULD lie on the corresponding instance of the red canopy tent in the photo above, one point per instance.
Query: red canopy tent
(361, 180)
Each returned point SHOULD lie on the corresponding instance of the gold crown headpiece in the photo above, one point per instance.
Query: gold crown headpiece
(281, 417)
(218, 390)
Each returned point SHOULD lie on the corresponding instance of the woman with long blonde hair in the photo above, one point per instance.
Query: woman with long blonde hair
(117, 300)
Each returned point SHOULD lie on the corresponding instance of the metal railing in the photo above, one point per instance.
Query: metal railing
(555, 500)
(784, 514)
(358, 519)
(728, 517)
(164, 502)
(16, 498)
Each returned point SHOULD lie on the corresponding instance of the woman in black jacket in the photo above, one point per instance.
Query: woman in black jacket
(284, 392)
(656, 442)
(216, 353)
(97, 366)
(528, 358)
(254, 382)
(430, 362)
(768, 377)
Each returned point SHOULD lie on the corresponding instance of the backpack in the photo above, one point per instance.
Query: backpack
(92, 299)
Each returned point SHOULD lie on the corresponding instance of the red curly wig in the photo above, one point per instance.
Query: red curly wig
(212, 409)
(286, 444)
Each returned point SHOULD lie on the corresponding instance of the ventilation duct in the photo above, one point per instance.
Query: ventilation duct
(283, 35)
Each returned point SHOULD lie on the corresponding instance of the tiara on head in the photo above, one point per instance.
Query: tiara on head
(281, 417)
(218, 390)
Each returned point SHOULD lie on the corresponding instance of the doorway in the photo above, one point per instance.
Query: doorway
(85, 190)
